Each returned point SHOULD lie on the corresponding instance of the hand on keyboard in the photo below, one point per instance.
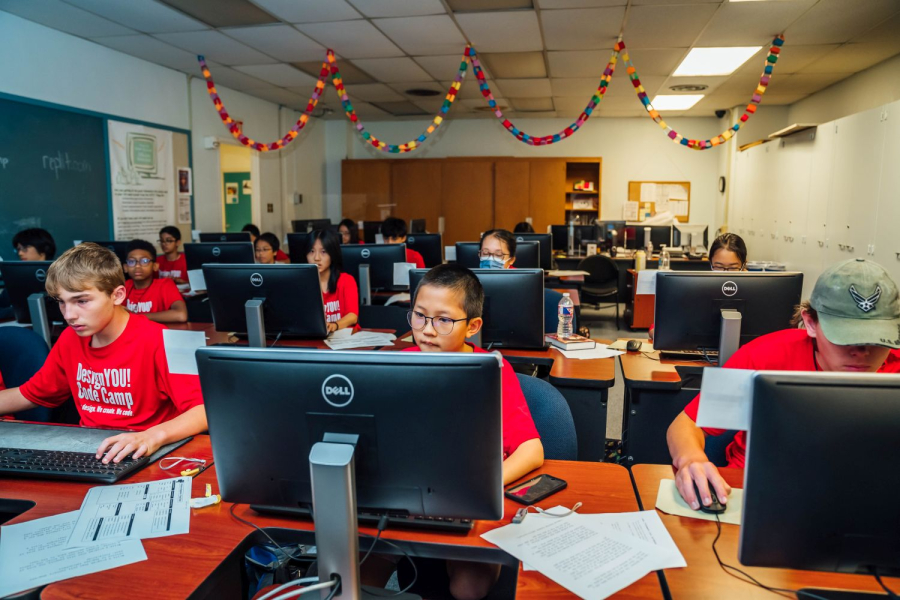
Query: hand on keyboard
(135, 445)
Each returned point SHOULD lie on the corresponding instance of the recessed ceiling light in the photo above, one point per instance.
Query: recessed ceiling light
(714, 61)
(689, 87)
(679, 102)
(422, 92)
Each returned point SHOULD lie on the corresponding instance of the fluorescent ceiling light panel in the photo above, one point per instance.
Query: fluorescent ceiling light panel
(679, 102)
(714, 61)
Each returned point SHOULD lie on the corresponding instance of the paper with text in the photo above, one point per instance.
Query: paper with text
(646, 282)
(363, 339)
(669, 500)
(725, 398)
(181, 350)
(600, 351)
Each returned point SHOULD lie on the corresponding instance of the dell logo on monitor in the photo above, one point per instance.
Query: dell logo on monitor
(337, 391)
(520, 239)
(256, 279)
(411, 240)
(223, 237)
(216, 251)
(40, 275)
(729, 288)
(366, 253)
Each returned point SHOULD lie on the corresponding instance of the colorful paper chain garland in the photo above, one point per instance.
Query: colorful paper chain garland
(726, 135)
(330, 67)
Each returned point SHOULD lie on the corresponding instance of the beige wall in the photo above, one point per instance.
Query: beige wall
(234, 159)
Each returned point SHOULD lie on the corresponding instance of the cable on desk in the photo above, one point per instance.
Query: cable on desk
(382, 525)
(302, 581)
(277, 337)
(891, 594)
(262, 531)
(333, 584)
(408, 558)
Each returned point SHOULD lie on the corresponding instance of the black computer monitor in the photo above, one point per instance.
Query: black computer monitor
(583, 235)
(119, 248)
(528, 255)
(409, 457)
(605, 229)
(24, 278)
(660, 235)
(293, 298)
(805, 428)
(297, 245)
(231, 236)
(370, 230)
(304, 225)
(379, 257)
(234, 253)
(467, 254)
(513, 306)
(429, 245)
(696, 235)
(417, 226)
(545, 252)
(689, 305)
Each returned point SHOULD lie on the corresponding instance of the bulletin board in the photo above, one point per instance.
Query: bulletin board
(669, 195)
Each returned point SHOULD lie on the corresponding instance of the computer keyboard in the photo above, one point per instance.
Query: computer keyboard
(711, 355)
(73, 466)
(446, 524)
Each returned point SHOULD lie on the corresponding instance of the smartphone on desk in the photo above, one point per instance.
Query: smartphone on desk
(535, 489)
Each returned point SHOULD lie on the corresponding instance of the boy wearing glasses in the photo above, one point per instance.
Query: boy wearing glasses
(446, 310)
(159, 299)
(172, 264)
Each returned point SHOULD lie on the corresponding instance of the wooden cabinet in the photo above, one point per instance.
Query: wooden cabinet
(467, 194)
(365, 188)
(547, 196)
(512, 192)
(416, 191)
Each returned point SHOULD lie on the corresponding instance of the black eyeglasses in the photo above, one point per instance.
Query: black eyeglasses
(443, 325)
(131, 262)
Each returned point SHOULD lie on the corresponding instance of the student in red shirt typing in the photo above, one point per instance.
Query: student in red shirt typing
(172, 264)
(851, 323)
(394, 232)
(113, 363)
(340, 293)
(159, 299)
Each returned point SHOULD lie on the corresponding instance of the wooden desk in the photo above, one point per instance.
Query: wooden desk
(208, 562)
(703, 578)
(654, 395)
(214, 337)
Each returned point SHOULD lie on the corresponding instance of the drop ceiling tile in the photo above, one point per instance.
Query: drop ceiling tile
(393, 70)
(582, 63)
(363, 109)
(524, 88)
(884, 33)
(711, 83)
(623, 88)
(401, 109)
(792, 59)
(532, 104)
(223, 13)
(805, 83)
(153, 50)
(443, 67)
(283, 97)
(432, 106)
(657, 2)
(419, 85)
(524, 115)
(458, 6)
(350, 74)
(582, 28)
(280, 75)
(569, 107)
(352, 39)
(216, 46)
(720, 101)
(225, 76)
(666, 26)
(785, 98)
(309, 11)
(471, 91)
(398, 8)
(851, 58)
(553, 4)
(502, 31)
(64, 17)
(656, 61)
(148, 16)
(280, 41)
(436, 34)
(750, 23)
(515, 64)
(830, 21)
(581, 87)
(374, 92)
(478, 105)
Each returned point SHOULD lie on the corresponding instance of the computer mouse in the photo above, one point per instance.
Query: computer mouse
(716, 507)
(633, 346)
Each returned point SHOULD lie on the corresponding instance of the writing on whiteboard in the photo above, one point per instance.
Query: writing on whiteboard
(62, 162)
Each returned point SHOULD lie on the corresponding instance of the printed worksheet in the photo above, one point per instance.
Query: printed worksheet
(133, 511)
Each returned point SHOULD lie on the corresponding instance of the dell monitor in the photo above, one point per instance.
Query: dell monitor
(605, 232)
(513, 306)
(304, 225)
(119, 248)
(690, 236)
(24, 278)
(380, 258)
(291, 300)
(231, 236)
(583, 234)
(660, 235)
(297, 245)
(417, 226)
(545, 252)
(429, 245)
(805, 429)
(467, 254)
(712, 311)
(370, 230)
(197, 255)
(527, 255)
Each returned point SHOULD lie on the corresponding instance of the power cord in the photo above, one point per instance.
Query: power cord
(287, 585)
(334, 584)
(405, 555)
(277, 337)
(891, 594)
(262, 531)
(382, 525)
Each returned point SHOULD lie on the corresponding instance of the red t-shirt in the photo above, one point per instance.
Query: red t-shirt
(172, 269)
(414, 257)
(160, 296)
(280, 256)
(344, 300)
(518, 426)
(787, 350)
(124, 385)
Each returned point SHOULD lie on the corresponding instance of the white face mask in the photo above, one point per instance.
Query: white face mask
(492, 263)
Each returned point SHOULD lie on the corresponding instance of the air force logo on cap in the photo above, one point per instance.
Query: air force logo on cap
(865, 304)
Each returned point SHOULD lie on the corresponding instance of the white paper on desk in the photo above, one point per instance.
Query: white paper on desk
(646, 282)
(669, 500)
(181, 350)
(565, 273)
(133, 511)
(34, 553)
(586, 558)
(402, 297)
(725, 398)
(341, 334)
(401, 273)
(197, 280)
(363, 339)
(450, 253)
(600, 351)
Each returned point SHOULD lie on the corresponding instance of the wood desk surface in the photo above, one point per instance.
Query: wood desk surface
(599, 373)
(704, 578)
(649, 370)
(178, 565)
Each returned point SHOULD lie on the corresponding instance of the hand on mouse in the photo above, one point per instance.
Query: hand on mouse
(703, 473)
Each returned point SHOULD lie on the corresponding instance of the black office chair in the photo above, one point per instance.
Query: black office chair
(22, 354)
(602, 283)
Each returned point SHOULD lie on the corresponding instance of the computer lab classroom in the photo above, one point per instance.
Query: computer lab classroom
(450, 299)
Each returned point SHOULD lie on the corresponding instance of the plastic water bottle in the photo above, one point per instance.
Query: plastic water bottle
(665, 262)
(566, 313)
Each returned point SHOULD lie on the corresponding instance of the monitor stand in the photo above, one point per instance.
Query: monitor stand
(333, 480)
(365, 285)
(729, 334)
(40, 323)
(256, 323)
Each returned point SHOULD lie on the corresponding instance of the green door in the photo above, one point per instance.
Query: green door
(237, 200)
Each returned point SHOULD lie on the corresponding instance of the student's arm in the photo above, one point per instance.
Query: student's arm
(525, 459)
(12, 401)
(176, 314)
(686, 442)
(147, 442)
(348, 295)
(345, 321)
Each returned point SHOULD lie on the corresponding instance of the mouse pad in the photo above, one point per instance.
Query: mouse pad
(670, 501)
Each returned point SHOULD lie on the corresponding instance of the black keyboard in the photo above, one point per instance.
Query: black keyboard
(73, 466)
(710, 355)
(447, 524)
